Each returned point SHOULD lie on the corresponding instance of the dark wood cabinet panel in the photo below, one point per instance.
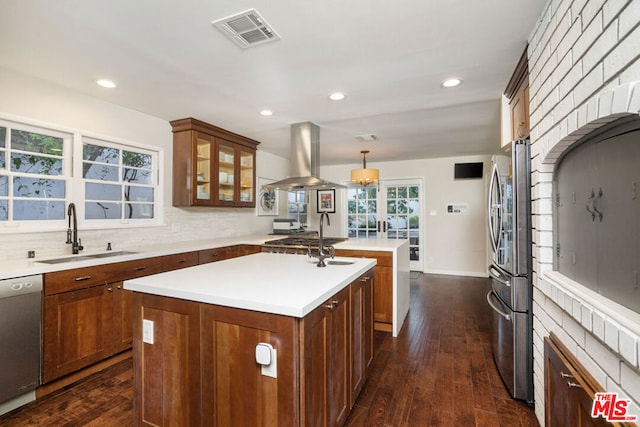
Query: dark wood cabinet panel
(77, 330)
(234, 391)
(383, 285)
(122, 323)
(181, 260)
(167, 372)
(361, 332)
(569, 389)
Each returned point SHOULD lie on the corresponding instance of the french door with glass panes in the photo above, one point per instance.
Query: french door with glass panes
(390, 210)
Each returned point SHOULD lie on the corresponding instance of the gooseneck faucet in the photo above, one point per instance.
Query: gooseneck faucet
(72, 235)
(322, 255)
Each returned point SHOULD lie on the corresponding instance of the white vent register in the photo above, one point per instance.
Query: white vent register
(246, 29)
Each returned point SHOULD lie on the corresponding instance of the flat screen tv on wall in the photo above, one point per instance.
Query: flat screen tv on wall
(468, 170)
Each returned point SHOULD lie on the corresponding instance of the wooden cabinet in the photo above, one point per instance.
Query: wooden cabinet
(181, 260)
(361, 332)
(569, 388)
(201, 367)
(383, 285)
(87, 314)
(226, 252)
(517, 92)
(325, 360)
(212, 166)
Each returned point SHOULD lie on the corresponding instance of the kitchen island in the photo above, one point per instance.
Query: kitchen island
(197, 332)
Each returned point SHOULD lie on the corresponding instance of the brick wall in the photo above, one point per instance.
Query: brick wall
(584, 72)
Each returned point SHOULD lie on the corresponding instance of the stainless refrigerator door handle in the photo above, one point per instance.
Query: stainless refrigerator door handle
(490, 298)
(495, 179)
(499, 277)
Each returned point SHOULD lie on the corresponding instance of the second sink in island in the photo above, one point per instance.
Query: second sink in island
(197, 362)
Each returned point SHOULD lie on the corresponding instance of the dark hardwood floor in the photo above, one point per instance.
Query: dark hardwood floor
(438, 372)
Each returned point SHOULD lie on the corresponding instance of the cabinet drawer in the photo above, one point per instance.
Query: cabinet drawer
(177, 261)
(385, 259)
(218, 254)
(81, 278)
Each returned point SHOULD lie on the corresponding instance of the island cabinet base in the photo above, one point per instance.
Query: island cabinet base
(197, 366)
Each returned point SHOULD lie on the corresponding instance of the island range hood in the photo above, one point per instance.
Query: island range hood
(305, 161)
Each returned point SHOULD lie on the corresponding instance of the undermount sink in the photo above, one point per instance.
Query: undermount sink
(110, 254)
(85, 257)
(334, 262)
(65, 259)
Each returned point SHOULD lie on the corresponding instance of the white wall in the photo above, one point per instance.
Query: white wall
(584, 69)
(36, 100)
(454, 244)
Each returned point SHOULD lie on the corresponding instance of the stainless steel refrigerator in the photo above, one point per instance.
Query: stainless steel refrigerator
(509, 214)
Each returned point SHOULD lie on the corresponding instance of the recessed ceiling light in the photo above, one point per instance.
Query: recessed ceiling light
(337, 96)
(266, 113)
(452, 82)
(106, 83)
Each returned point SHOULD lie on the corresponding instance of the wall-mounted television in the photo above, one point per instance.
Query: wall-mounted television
(467, 170)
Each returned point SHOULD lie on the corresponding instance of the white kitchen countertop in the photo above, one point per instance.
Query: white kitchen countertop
(19, 268)
(290, 285)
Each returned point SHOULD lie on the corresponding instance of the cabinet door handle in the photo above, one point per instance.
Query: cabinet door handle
(364, 279)
(590, 201)
(384, 226)
(110, 289)
(139, 268)
(596, 203)
(571, 384)
(335, 302)
(82, 278)
(329, 306)
(378, 226)
(563, 375)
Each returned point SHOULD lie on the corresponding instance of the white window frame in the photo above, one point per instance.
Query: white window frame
(13, 226)
(75, 184)
(79, 183)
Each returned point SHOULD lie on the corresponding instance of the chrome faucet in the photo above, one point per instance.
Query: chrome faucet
(72, 235)
(322, 255)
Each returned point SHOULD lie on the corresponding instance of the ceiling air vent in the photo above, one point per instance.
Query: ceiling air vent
(366, 137)
(247, 29)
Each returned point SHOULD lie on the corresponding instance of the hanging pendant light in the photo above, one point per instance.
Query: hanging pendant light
(364, 176)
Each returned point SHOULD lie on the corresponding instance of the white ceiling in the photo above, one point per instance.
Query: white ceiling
(389, 57)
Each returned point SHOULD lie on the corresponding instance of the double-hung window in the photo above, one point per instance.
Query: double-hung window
(34, 174)
(44, 169)
(119, 182)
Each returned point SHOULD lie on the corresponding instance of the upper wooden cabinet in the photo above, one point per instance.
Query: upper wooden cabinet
(517, 92)
(212, 166)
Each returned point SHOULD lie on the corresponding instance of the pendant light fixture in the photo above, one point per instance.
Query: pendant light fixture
(364, 176)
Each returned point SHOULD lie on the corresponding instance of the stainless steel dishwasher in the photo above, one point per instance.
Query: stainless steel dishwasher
(20, 335)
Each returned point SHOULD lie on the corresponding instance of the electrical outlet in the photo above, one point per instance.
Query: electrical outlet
(271, 370)
(147, 331)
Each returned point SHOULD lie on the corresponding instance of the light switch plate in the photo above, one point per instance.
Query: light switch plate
(147, 331)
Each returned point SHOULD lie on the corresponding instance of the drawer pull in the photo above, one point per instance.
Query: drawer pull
(82, 278)
(571, 384)
(182, 261)
(563, 375)
(329, 306)
(140, 268)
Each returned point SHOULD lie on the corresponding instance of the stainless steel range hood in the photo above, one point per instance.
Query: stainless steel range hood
(305, 159)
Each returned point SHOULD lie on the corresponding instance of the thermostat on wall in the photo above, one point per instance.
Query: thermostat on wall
(458, 209)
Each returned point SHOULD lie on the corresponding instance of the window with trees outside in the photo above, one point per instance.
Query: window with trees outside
(42, 170)
(118, 182)
(34, 173)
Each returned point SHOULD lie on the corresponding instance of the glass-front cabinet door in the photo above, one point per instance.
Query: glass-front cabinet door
(247, 177)
(203, 169)
(226, 172)
(236, 175)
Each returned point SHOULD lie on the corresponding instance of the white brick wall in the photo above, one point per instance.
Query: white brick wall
(584, 71)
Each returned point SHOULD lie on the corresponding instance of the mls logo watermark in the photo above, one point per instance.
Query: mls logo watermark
(611, 408)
